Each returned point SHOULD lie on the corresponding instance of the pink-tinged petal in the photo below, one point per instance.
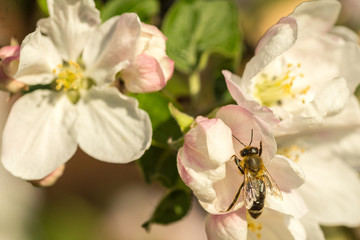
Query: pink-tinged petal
(50, 179)
(231, 226)
(201, 164)
(292, 204)
(70, 25)
(145, 75)
(201, 183)
(286, 173)
(316, 16)
(209, 144)
(151, 68)
(110, 126)
(272, 225)
(241, 122)
(111, 47)
(153, 43)
(246, 101)
(38, 135)
(39, 58)
(9, 51)
(285, 33)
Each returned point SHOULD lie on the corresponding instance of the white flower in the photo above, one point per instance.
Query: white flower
(323, 154)
(304, 66)
(77, 58)
(205, 165)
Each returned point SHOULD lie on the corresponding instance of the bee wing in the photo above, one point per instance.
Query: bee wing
(271, 185)
(253, 190)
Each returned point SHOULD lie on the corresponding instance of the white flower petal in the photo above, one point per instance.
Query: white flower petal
(291, 204)
(70, 25)
(284, 32)
(286, 174)
(330, 100)
(39, 58)
(111, 47)
(38, 135)
(316, 16)
(276, 226)
(231, 226)
(51, 4)
(312, 228)
(349, 117)
(111, 127)
(332, 188)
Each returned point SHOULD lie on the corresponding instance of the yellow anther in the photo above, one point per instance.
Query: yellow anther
(292, 152)
(254, 226)
(69, 77)
(273, 90)
(305, 90)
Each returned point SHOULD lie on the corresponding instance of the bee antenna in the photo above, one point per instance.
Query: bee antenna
(252, 134)
(239, 141)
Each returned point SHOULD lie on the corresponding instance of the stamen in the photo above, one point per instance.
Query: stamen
(254, 226)
(273, 90)
(292, 152)
(69, 77)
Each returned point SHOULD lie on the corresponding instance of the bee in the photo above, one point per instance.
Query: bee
(257, 180)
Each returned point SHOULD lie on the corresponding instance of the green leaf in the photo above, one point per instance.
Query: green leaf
(156, 105)
(159, 164)
(146, 9)
(183, 120)
(196, 28)
(173, 207)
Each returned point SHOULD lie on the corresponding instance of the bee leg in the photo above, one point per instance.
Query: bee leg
(235, 198)
(260, 150)
(237, 162)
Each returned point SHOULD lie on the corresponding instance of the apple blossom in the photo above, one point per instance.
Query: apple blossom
(323, 154)
(304, 74)
(74, 60)
(205, 165)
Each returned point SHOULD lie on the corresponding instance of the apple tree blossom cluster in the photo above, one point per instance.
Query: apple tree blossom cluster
(297, 97)
(277, 161)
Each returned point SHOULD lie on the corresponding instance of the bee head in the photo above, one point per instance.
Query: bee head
(249, 150)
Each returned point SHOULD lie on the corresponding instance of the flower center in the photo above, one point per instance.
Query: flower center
(69, 76)
(292, 152)
(70, 79)
(271, 90)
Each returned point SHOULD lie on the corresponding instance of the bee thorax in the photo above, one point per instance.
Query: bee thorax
(253, 163)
